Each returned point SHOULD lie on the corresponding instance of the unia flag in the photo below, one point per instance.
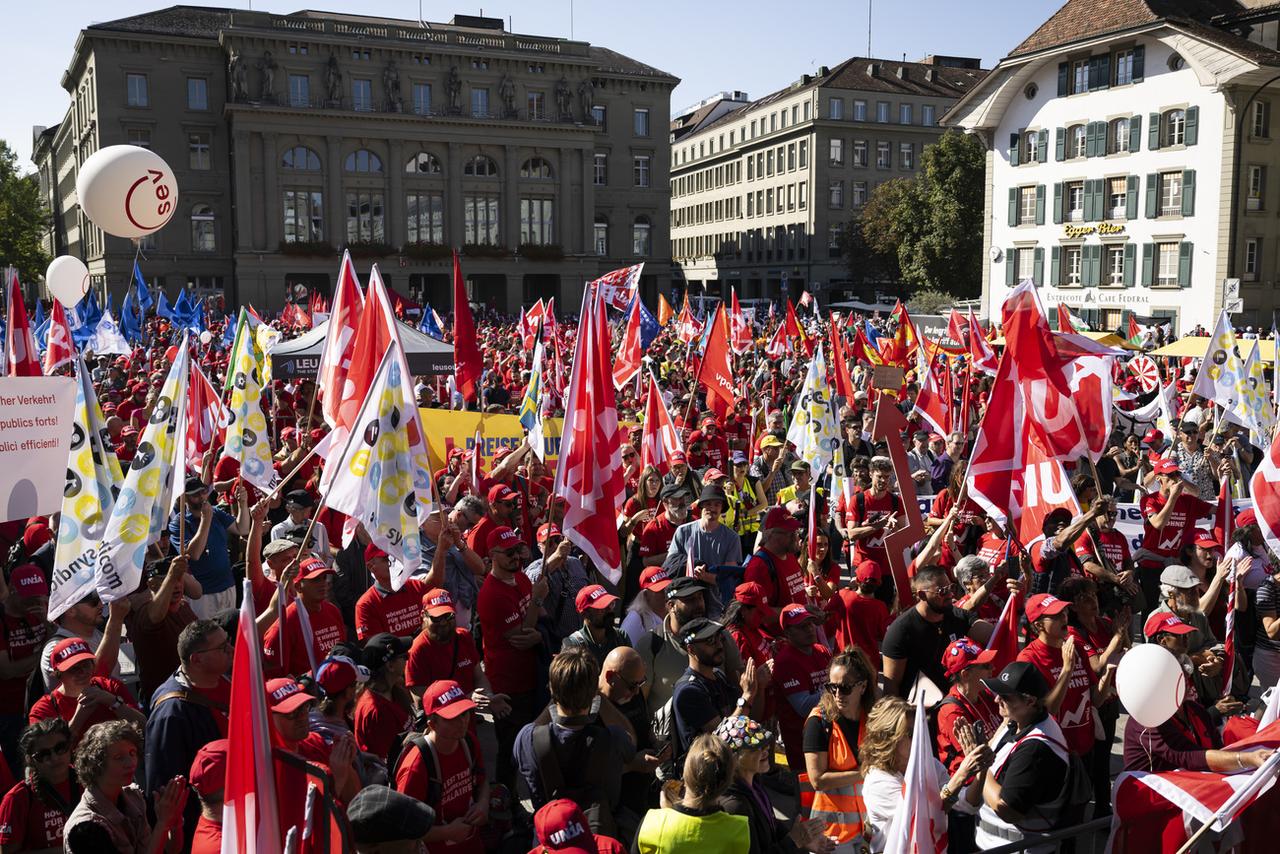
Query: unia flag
(1253, 409)
(814, 430)
(93, 474)
(248, 441)
(142, 508)
(618, 287)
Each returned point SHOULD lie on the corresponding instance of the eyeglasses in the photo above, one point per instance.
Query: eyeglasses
(634, 686)
(59, 749)
(225, 646)
(443, 618)
(844, 689)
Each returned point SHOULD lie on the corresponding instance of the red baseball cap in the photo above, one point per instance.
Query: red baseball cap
(677, 457)
(547, 530)
(1044, 605)
(286, 695)
(964, 653)
(795, 615)
(36, 534)
(209, 768)
(778, 517)
(446, 699)
(437, 602)
(752, 593)
(503, 537)
(1164, 621)
(655, 578)
(29, 580)
(335, 675)
(593, 596)
(712, 474)
(501, 492)
(372, 551)
(68, 653)
(869, 570)
(1206, 540)
(1246, 517)
(1166, 466)
(312, 567)
(563, 829)
(1153, 437)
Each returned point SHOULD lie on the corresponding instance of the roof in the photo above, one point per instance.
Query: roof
(612, 62)
(1079, 20)
(690, 121)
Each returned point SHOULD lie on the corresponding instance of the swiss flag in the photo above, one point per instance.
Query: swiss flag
(984, 358)
(60, 347)
(740, 327)
(335, 357)
(21, 357)
(660, 438)
(778, 345)
(630, 353)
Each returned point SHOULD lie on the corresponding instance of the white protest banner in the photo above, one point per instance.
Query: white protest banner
(1129, 520)
(36, 415)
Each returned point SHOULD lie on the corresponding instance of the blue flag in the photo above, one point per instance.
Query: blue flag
(429, 324)
(145, 300)
(182, 307)
(163, 309)
(195, 318)
(87, 314)
(110, 307)
(870, 332)
(649, 327)
(37, 316)
(41, 334)
(130, 319)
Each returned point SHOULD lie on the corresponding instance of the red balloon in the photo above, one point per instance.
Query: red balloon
(171, 355)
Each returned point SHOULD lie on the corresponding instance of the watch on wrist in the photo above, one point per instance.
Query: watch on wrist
(742, 702)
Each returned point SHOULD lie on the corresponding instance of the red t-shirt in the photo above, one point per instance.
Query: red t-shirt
(752, 644)
(795, 672)
(717, 453)
(788, 572)
(430, 661)
(950, 753)
(990, 609)
(872, 548)
(1075, 715)
(1114, 545)
(20, 639)
(501, 608)
(399, 613)
(461, 774)
(478, 536)
(56, 704)
(377, 723)
(27, 823)
(857, 620)
(994, 549)
(1178, 529)
(657, 535)
(327, 630)
(208, 838)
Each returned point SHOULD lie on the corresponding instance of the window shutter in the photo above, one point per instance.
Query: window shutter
(1087, 212)
(1013, 206)
(1094, 69)
(1042, 147)
(1092, 212)
(1010, 265)
(1188, 192)
(1131, 197)
(1063, 79)
(1104, 72)
(1060, 144)
(1090, 140)
(1135, 133)
(1148, 264)
(1057, 203)
(1055, 261)
(1193, 126)
(1040, 204)
(1184, 264)
(1153, 189)
(1139, 55)
(1153, 131)
(1095, 266)
(1130, 259)
(1013, 148)
(1038, 272)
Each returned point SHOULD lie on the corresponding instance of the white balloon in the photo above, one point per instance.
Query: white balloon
(206, 337)
(127, 191)
(67, 279)
(1151, 684)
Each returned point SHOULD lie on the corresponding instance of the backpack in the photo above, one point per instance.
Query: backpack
(589, 791)
(663, 725)
(1068, 807)
(729, 577)
(435, 788)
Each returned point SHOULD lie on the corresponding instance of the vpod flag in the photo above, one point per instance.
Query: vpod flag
(248, 441)
(93, 472)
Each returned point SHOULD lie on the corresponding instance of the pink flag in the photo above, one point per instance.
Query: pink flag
(60, 347)
(21, 357)
(339, 339)
(660, 438)
(630, 352)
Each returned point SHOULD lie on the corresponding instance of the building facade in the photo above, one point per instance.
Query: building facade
(761, 192)
(295, 136)
(1129, 148)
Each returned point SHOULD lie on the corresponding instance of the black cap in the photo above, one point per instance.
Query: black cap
(378, 814)
(699, 629)
(195, 484)
(383, 647)
(1020, 677)
(713, 493)
(684, 586)
(300, 497)
(671, 490)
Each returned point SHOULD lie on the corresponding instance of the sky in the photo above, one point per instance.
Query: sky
(713, 45)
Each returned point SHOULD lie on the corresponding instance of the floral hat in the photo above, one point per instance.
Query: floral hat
(742, 733)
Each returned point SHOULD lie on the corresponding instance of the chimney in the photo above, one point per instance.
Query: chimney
(823, 71)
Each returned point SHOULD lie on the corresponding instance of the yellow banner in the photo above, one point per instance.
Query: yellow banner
(447, 429)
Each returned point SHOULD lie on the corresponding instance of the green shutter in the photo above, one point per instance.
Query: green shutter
(1100, 198)
(1040, 204)
(1148, 264)
(1037, 274)
(1095, 265)
(1055, 261)
(1057, 203)
(1193, 126)
(1135, 133)
(1064, 72)
(1042, 147)
(1010, 265)
(1060, 144)
(1100, 139)
(1184, 264)
(1013, 148)
(1130, 257)
(1188, 192)
(1153, 190)
(1153, 131)
(1139, 55)
(1091, 139)
(1131, 197)
(1104, 73)
(1013, 206)
(1086, 213)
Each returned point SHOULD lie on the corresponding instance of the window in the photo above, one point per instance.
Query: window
(1251, 254)
(1115, 265)
(422, 99)
(751, 204)
(907, 155)
(198, 150)
(424, 217)
(858, 194)
(197, 93)
(298, 48)
(537, 102)
(904, 114)
(1257, 187)
(478, 64)
(791, 157)
(808, 109)
(834, 233)
(536, 167)
(804, 195)
(361, 95)
(641, 239)
(1171, 194)
(600, 170)
(363, 160)
(1118, 136)
(640, 169)
(480, 103)
(1173, 128)
(480, 166)
(303, 216)
(1027, 206)
(804, 153)
(1027, 143)
(1077, 138)
(1026, 264)
(423, 163)
(600, 235)
(883, 155)
(768, 159)
(768, 200)
(1261, 119)
(882, 111)
(927, 116)
(1071, 265)
(1075, 202)
(364, 217)
(1167, 264)
(1122, 63)
(1118, 197)
(358, 54)
(835, 194)
(480, 220)
(136, 90)
(837, 152)
(536, 221)
(299, 90)
(773, 122)
(1079, 76)
(860, 153)
(598, 115)
(140, 137)
(300, 159)
(835, 108)
(859, 111)
(641, 121)
(202, 229)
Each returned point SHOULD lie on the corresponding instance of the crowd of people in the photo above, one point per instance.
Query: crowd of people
(748, 685)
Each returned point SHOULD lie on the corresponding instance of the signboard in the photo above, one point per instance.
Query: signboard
(36, 423)
(1233, 306)
(888, 377)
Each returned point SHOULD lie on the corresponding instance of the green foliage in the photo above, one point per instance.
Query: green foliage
(929, 301)
(24, 219)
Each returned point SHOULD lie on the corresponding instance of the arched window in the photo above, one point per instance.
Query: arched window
(641, 238)
(481, 166)
(1118, 136)
(423, 163)
(203, 223)
(300, 159)
(1173, 128)
(1078, 139)
(363, 160)
(601, 235)
(536, 167)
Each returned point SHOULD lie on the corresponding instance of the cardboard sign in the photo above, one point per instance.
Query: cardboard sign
(887, 377)
(36, 415)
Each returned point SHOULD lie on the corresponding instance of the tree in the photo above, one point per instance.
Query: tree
(24, 219)
(867, 266)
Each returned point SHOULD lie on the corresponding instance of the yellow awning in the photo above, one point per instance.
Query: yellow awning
(1195, 345)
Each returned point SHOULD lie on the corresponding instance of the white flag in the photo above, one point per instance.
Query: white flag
(814, 429)
(107, 337)
(248, 440)
(1221, 368)
(920, 824)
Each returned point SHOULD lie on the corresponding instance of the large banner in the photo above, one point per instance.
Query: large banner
(36, 423)
(447, 429)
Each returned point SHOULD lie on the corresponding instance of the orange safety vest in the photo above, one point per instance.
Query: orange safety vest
(842, 809)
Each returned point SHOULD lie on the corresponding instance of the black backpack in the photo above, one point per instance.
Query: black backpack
(435, 786)
(588, 792)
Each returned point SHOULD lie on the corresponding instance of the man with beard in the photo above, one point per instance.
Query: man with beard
(1180, 596)
(503, 504)
(800, 666)
(598, 635)
(774, 565)
(703, 696)
(566, 577)
(655, 539)
(915, 641)
(665, 655)
(705, 540)
(327, 628)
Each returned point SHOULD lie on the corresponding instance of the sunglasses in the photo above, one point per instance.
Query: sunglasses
(842, 689)
(59, 749)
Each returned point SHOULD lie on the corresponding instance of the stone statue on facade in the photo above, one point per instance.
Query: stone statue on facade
(267, 68)
(391, 86)
(507, 91)
(333, 81)
(564, 100)
(239, 75)
(454, 87)
(586, 98)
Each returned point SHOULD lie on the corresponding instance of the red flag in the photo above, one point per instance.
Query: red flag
(899, 349)
(1064, 319)
(1004, 638)
(21, 357)
(660, 438)
(301, 317)
(373, 337)
(688, 329)
(250, 815)
(207, 416)
(740, 327)
(792, 325)
(840, 363)
(778, 345)
(60, 347)
(963, 426)
(716, 371)
(958, 328)
(630, 352)
(589, 472)
(618, 287)
(468, 362)
(932, 402)
(665, 311)
(339, 339)
(984, 358)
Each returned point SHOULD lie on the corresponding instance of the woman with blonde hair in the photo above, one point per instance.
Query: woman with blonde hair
(697, 822)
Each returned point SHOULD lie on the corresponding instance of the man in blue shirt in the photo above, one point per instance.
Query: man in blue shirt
(204, 529)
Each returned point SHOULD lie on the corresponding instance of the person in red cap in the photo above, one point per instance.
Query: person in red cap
(508, 607)
(681, 474)
(774, 566)
(869, 515)
(1168, 523)
(799, 671)
(291, 706)
(1053, 558)
(381, 609)
(327, 627)
(647, 609)
(745, 617)
(595, 605)
(33, 810)
(23, 630)
(563, 829)
(504, 502)
(715, 447)
(443, 769)
(856, 617)
(105, 699)
(208, 776)
(967, 702)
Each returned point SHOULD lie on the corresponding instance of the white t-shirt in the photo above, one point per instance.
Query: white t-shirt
(882, 794)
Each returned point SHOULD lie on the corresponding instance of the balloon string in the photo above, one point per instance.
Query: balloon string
(137, 247)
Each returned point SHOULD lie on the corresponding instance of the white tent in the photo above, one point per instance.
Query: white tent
(300, 357)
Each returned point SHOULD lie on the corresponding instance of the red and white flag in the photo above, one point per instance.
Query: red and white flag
(1264, 486)
(335, 356)
(630, 352)
(660, 438)
(589, 472)
(739, 327)
(250, 813)
(842, 380)
(21, 357)
(920, 824)
(688, 329)
(958, 328)
(207, 416)
(60, 347)
(779, 345)
(933, 404)
(618, 287)
(1224, 523)
(1004, 638)
(984, 358)
(806, 298)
